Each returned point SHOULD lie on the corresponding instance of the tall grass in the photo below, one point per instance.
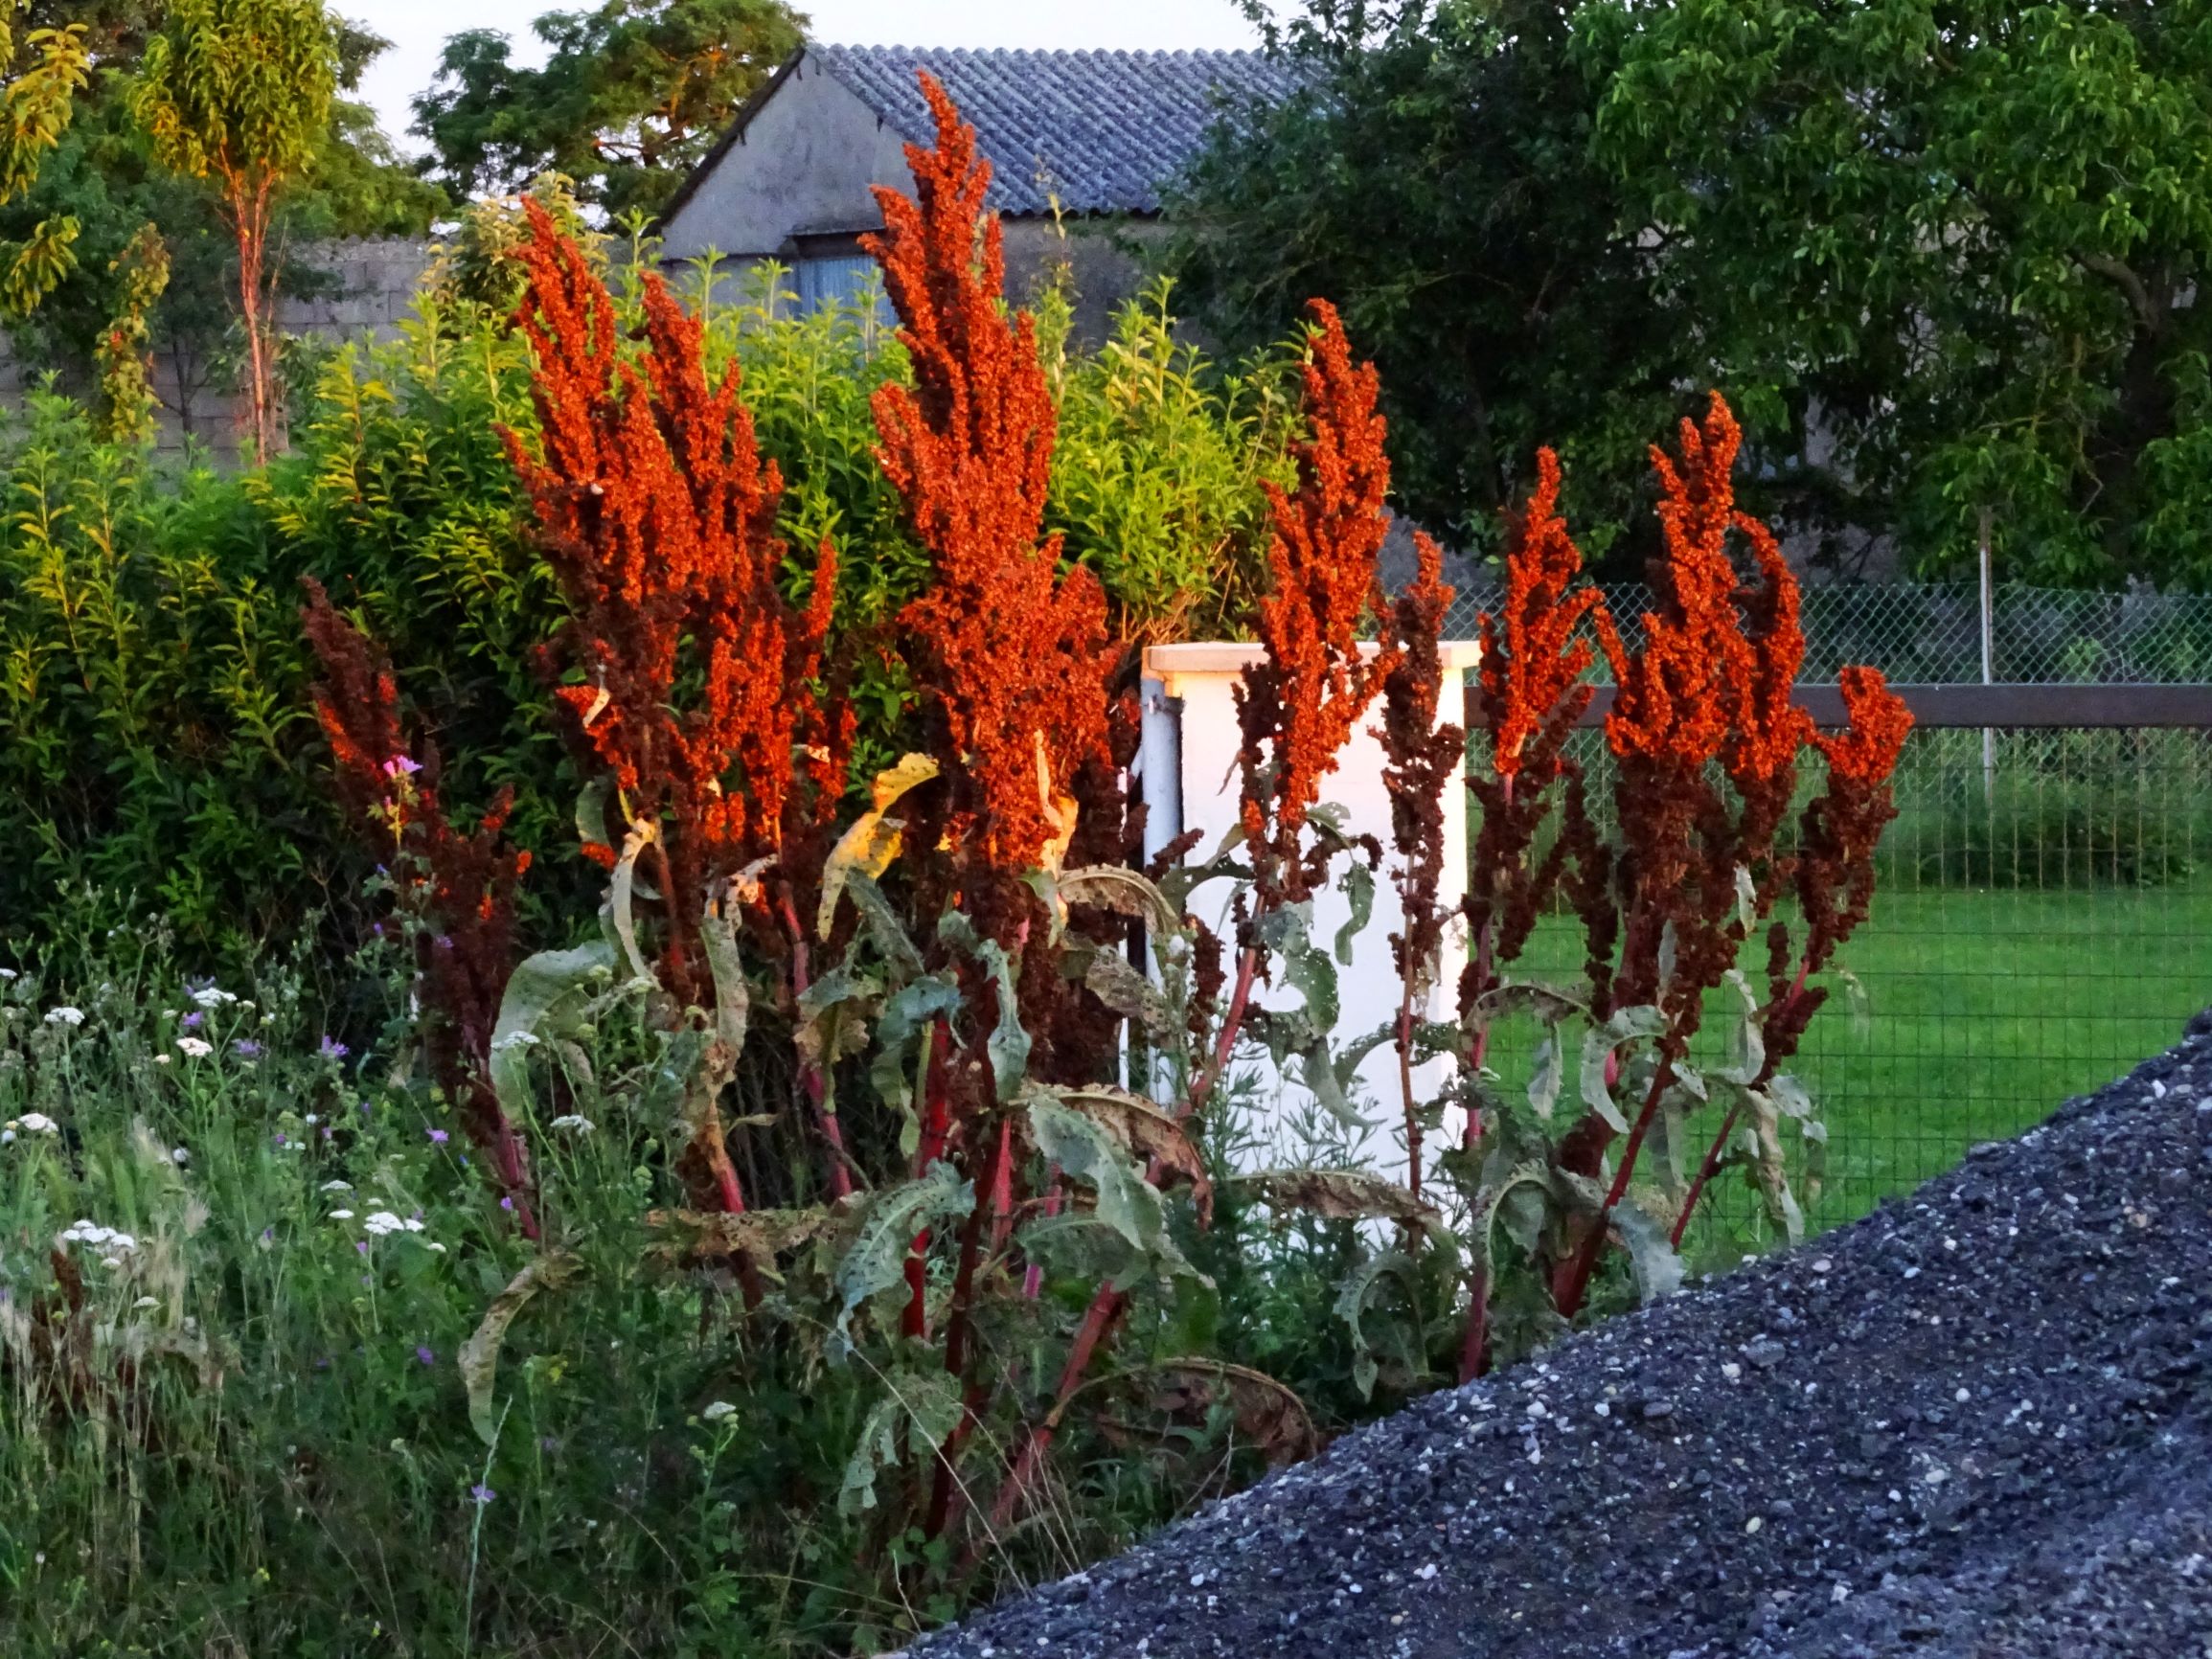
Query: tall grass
(235, 1287)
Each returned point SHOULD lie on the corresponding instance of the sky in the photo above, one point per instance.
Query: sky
(417, 29)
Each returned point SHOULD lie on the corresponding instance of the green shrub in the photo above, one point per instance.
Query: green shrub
(152, 680)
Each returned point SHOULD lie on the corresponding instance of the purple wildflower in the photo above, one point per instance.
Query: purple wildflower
(332, 1049)
(438, 1137)
(480, 1495)
(247, 1048)
(506, 1204)
(361, 1248)
(426, 1357)
(193, 1020)
(401, 767)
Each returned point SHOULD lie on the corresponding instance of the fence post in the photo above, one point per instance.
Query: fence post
(1989, 744)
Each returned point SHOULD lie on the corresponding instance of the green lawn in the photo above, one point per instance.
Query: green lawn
(1987, 1010)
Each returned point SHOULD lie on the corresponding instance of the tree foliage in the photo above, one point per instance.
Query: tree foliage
(1433, 174)
(239, 91)
(1956, 246)
(1944, 253)
(632, 96)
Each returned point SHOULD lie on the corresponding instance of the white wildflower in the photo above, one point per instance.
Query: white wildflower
(6, 974)
(121, 1241)
(576, 1122)
(195, 1049)
(38, 1124)
(717, 1411)
(337, 1185)
(212, 996)
(147, 1302)
(65, 1016)
(7, 1137)
(381, 1222)
(412, 1225)
(433, 1245)
(111, 1262)
(161, 1060)
(515, 1040)
(178, 1155)
(341, 1215)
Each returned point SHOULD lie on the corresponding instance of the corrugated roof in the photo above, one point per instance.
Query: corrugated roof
(1097, 131)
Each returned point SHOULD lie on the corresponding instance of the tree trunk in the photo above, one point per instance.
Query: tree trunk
(250, 215)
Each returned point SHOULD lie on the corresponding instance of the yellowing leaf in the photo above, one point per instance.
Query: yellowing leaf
(872, 841)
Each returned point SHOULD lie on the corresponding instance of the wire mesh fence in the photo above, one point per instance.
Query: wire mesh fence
(1931, 633)
(2042, 920)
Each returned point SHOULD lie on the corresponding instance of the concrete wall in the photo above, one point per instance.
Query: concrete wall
(375, 283)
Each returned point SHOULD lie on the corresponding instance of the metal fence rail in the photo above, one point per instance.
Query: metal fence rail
(2042, 920)
(1931, 632)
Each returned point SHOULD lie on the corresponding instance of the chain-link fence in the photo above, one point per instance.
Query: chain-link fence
(2042, 920)
(1926, 634)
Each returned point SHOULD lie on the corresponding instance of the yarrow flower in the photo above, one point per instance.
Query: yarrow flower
(382, 1223)
(107, 1238)
(194, 1048)
(337, 1185)
(38, 1124)
(574, 1122)
(717, 1411)
(212, 996)
(71, 1017)
(341, 1215)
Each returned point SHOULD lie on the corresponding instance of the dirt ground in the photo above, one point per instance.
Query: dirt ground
(1976, 1424)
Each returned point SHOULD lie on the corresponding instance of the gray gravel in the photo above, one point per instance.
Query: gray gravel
(1975, 1424)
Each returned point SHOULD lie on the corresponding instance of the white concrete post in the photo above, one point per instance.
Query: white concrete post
(1188, 759)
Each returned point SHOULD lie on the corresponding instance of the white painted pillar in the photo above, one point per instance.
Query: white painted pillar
(1188, 759)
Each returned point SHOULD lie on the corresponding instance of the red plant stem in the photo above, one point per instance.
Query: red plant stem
(1708, 1168)
(935, 1121)
(1576, 1283)
(1108, 1302)
(1474, 1347)
(1232, 1024)
(1032, 1277)
(1405, 1088)
(811, 1077)
(1711, 1164)
(993, 1198)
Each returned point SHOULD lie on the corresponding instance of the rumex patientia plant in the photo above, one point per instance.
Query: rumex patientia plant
(1705, 743)
(1002, 1043)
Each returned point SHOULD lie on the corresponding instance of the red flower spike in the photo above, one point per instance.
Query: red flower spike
(1013, 654)
(658, 516)
(1530, 655)
(1299, 706)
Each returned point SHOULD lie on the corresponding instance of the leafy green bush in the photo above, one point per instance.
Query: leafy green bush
(151, 676)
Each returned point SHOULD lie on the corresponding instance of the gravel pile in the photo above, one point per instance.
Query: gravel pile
(1975, 1424)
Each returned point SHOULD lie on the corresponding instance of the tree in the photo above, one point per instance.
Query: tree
(1433, 175)
(36, 100)
(632, 96)
(103, 176)
(1958, 246)
(1943, 254)
(239, 91)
